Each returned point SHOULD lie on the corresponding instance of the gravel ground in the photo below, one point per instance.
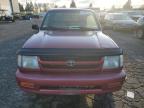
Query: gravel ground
(12, 37)
(134, 65)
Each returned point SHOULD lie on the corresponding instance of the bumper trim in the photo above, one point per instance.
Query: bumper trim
(72, 92)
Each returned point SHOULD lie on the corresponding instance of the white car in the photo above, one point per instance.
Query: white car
(140, 30)
(135, 15)
(140, 21)
(120, 21)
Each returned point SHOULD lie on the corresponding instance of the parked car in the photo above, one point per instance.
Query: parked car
(120, 21)
(17, 16)
(140, 21)
(135, 15)
(28, 16)
(140, 30)
(6, 17)
(70, 55)
(42, 14)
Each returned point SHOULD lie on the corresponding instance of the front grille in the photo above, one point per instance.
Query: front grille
(74, 62)
(67, 57)
(64, 65)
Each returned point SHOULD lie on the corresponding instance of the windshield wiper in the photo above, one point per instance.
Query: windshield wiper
(83, 28)
(69, 28)
(53, 28)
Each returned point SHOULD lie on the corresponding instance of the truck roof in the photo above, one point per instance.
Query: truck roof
(67, 9)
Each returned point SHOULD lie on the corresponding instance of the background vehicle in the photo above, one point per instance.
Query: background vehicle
(5, 17)
(135, 15)
(28, 16)
(140, 30)
(120, 21)
(17, 16)
(140, 21)
(42, 14)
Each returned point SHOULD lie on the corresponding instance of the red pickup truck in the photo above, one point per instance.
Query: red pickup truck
(70, 55)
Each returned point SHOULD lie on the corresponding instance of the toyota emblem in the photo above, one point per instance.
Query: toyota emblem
(71, 63)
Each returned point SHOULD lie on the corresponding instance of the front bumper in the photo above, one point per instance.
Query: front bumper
(70, 84)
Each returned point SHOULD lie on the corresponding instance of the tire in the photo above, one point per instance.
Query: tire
(103, 101)
(13, 20)
(31, 95)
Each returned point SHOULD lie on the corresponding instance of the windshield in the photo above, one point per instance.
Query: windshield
(70, 20)
(121, 17)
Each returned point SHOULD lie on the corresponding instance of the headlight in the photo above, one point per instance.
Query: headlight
(28, 62)
(111, 62)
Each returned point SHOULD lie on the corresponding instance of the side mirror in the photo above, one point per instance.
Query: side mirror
(35, 27)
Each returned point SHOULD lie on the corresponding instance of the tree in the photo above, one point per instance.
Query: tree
(73, 5)
(90, 5)
(55, 6)
(39, 5)
(36, 8)
(63, 6)
(127, 5)
(29, 7)
(35, 5)
(21, 8)
(142, 6)
(113, 7)
(45, 7)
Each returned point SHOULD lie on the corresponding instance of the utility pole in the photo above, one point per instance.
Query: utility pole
(0, 6)
(11, 5)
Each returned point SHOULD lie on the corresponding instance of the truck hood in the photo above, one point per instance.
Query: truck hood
(70, 39)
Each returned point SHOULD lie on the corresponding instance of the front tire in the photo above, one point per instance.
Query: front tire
(103, 101)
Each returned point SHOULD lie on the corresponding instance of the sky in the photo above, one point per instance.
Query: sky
(85, 3)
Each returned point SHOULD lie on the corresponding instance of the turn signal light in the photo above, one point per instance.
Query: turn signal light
(27, 85)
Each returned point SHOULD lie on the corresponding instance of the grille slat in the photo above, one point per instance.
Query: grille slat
(70, 87)
(75, 67)
(64, 58)
(78, 65)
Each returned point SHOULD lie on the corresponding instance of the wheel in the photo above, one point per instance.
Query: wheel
(31, 95)
(13, 20)
(103, 101)
(139, 33)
